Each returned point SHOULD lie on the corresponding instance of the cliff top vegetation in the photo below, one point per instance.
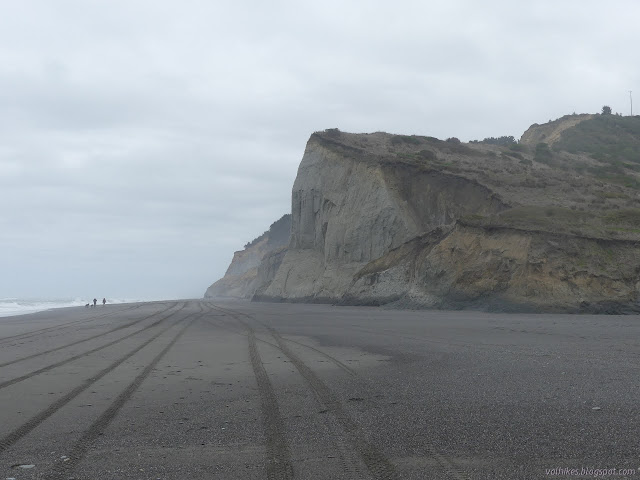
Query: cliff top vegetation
(579, 174)
(278, 232)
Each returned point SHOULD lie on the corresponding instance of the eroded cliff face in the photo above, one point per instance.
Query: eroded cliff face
(242, 279)
(416, 222)
(351, 207)
(551, 132)
(503, 269)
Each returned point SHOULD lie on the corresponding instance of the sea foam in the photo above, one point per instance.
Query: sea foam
(21, 306)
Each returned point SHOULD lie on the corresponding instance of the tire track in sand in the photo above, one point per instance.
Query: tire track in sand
(26, 376)
(77, 342)
(242, 331)
(60, 326)
(10, 439)
(279, 465)
(62, 469)
(377, 464)
(350, 459)
(278, 462)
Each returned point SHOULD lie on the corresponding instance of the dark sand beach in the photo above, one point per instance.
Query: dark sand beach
(199, 390)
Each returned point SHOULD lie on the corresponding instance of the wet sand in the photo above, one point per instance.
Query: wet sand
(199, 390)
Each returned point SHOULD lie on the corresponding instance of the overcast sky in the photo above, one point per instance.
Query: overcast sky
(142, 142)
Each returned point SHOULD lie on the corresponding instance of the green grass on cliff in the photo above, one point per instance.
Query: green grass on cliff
(609, 138)
(613, 141)
(620, 224)
(552, 219)
(627, 218)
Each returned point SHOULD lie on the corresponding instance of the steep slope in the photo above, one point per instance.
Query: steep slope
(504, 269)
(411, 221)
(351, 204)
(551, 132)
(239, 280)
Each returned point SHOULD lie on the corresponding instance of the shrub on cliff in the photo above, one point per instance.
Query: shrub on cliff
(629, 217)
(427, 155)
(607, 138)
(278, 233)
(518, 147)
(400, 139)
(543, 154)
(505, 140)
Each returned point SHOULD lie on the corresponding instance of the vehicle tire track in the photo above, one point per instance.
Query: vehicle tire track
(278, 456)
(10, 439)
(26, 376)
(350, 459)
(368, 453)
(279, 465)
(377, 465)
(61, 470)
(333, 360)
(22, 336)
(77, 342)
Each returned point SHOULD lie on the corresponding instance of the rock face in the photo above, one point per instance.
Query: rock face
(417, 222)
(239, 280)
(551, 132)
(348, 210)
(503, 269)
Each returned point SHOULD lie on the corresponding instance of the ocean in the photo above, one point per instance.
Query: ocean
(20, 306)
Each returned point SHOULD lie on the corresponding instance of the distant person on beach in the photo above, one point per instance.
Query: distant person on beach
(95, 301)
(104, 302)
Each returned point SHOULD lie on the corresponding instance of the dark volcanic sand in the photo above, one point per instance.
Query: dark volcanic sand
(201, 390)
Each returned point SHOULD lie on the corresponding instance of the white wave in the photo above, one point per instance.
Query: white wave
(21, 306)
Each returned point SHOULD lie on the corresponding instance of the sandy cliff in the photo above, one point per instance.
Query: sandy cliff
(240, 279)
(351, 205)
(409, 221)
(551, 132)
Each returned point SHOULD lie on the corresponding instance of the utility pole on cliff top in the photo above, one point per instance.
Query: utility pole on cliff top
(631, 101)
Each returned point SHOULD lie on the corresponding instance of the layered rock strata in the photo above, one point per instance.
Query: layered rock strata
(416, 222)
